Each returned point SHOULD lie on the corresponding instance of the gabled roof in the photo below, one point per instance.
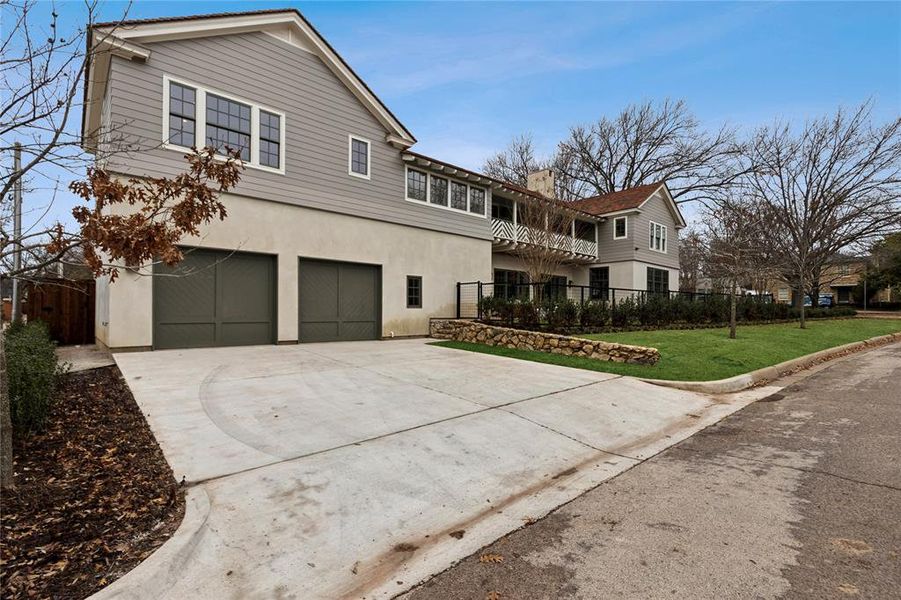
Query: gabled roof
(629, 200)
(124, 38)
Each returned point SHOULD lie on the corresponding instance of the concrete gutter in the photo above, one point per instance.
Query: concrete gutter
(746, 380)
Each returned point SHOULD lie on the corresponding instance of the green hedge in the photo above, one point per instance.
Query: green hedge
(651, 312)
(33, 371)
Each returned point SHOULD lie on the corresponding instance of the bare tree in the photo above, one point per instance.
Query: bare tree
(519, 158)
(691, 260)
(834, 184)
(736, 238)
(545, 225)
(649, 143)
(123, 222)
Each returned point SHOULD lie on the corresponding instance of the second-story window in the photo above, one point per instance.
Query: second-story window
(359, 157)
(417, 183)
(619, 227)
(227, 125)
(657, 237)
(477, 200)
(194, 116)
(458, 195)
(270, 139)
(438, 191)
(182, 115)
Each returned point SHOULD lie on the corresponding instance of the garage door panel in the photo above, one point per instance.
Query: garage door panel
(319, 332)
(185, 335)
(318, 291)
(357, 301)
(186, 293)
(358, 331)
(338, 301)
(240, 334)
(252, 276)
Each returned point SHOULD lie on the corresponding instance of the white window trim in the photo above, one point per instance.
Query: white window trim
(428, 193)
(663, 237)
(350, 156)
(626, 235)
(200, 124)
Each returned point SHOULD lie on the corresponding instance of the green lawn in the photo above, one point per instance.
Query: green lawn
(708, 354)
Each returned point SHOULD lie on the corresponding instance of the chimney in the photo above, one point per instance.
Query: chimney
(542, 182)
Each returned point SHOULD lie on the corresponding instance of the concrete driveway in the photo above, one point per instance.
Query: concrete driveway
(355, 470)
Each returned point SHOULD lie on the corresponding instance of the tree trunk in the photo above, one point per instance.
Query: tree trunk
(803, 296)
(6, 427)
(732, 312)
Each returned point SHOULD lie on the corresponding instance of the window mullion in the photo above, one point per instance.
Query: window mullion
(255, 135)
(200, 125)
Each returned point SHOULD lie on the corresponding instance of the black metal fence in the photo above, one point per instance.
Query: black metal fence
(471, 293)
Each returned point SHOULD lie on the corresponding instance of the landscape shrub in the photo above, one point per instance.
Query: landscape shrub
(561, 314)
(594, 314)
(646, 311)
(33, 373)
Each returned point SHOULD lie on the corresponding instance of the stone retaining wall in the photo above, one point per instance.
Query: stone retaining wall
(520, 339)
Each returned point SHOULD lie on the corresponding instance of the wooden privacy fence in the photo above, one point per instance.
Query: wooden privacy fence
(66, 306)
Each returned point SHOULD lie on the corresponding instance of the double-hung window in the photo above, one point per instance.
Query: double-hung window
(227, 125)
(182, 115)
(657, 237)
(194, 116)
(620, 227)
(359, 157)
(270, 139)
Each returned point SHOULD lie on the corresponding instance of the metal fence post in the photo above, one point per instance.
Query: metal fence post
(458, 299)
(479, 302)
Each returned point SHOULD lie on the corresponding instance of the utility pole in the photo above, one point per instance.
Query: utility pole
(17, 231)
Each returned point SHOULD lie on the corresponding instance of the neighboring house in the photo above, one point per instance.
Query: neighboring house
(840, 280)
(337, 230)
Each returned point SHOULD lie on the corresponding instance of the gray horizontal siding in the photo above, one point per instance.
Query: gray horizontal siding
(320, 113)
(610, 250)
(656, 210)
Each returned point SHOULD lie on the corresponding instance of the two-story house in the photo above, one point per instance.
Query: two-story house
(337, 230)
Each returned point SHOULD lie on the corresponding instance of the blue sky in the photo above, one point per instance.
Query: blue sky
(466, 77)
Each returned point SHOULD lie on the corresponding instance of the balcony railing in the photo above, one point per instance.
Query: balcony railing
(508, 231)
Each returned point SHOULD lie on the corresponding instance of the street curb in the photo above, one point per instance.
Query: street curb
(159, 571)
(746, 380)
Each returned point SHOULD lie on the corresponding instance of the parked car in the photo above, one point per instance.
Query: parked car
(825, 301)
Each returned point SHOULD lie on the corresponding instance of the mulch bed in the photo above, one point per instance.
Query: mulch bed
(93, 497)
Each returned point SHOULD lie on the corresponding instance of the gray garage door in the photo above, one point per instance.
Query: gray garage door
(339, 301)
(214, 298)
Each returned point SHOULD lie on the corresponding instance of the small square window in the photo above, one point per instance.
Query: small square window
(477, 200)
(414, 291)
(438, 190)
(359, 157)
(620, 230)
(417, 185)
(458, 195)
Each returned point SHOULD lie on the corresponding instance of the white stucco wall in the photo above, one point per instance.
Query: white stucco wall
(291, 232)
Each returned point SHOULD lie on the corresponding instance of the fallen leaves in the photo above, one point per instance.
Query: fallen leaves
(493, 596)
(491, 558)
(93, 497)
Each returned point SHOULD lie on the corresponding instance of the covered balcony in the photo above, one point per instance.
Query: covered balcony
(580, 244)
